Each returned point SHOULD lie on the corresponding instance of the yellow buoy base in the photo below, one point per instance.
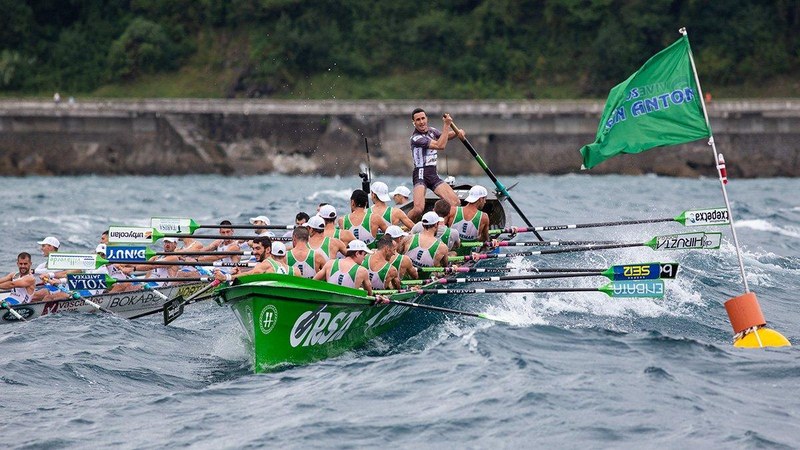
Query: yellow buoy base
(761, 337)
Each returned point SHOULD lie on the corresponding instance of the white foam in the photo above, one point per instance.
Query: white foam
(763, 225)
(342, 194)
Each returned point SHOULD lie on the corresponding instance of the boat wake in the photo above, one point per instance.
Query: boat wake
(763, 225)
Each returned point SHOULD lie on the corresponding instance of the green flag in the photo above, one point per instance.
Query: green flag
(658, 105)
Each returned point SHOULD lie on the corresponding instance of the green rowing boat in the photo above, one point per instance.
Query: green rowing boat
(294, 320)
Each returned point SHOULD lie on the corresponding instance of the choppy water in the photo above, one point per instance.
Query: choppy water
(575, 370)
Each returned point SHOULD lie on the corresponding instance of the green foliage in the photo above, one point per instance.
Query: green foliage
(385, 48)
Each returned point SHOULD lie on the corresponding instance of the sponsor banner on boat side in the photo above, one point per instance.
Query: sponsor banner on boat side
(87, 281)
(688, 241)
(173, 225)
(714, 216)
(326, 328)
(649, 288)
(70, 305)
(71, 261)
(126, 253)
(130, 235)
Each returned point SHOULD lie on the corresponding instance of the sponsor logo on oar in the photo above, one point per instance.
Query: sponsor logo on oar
(72, 261)
(173, 225)
(688, 241)
(89, 281)
(130, 235)
(702, 217)
(126, 253)
(635, 289)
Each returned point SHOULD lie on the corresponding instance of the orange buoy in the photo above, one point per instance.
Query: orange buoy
(744, 312)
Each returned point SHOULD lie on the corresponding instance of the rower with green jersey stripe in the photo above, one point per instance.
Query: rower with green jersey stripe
(263, 247)
(399, 260)
(447, 234)
(471, 223)
(364, 225)
(425, 249)
(382, 274)
(302, 259)
(379, 192)
(348, 271)
(329, 247)
(328, 214)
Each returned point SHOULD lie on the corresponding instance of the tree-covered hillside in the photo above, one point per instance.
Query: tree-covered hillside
(386, 48)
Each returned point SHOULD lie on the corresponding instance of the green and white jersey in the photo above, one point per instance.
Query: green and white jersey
(304, 268)
(377, 279)
(421, 256)
(360, 231)
(467, 229)
(343, 278)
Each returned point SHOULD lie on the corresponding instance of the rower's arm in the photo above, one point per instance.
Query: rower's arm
(484, 231)
(363, 280)
(6, 278)
(398, 214)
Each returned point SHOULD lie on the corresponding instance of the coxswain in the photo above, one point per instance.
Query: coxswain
(348, 271)
(426, 142)
(382, 275)
(469, 221)
(328, 214)
(400, 195)
(364, 225)
(328, 246)
(399, 260)
(302, 259)
(21, 283)
(425, 249)
(379, 193)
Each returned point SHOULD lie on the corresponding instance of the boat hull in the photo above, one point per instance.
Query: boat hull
(128, 305)
(293, 320)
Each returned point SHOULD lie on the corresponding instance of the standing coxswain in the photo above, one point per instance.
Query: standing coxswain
(426, 142)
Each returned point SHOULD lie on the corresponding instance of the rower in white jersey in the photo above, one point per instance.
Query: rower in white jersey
(425, 249)
(399, 260)
(328, 246)
(45, 276)
(300, 219)
(21, 283)
(382, 275)
(471, 223)
(162, 271)
(302, 259)
(348, 271)
(328, 214)
(400, 195)
(379, 193)
(447, 234)
(278, 258)
(364, 225)
(224, 245)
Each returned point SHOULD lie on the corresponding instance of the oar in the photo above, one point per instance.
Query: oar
(497, 182)
(643, 271)
(142, 254)
(697, 217)
(684, 241)
(619, 272)
(622, 289)
(14, 313)
(145, 235)
(186, 226)
(89, 261)
(446, 310)
(94, 281)
(174, 308)
(533, 243)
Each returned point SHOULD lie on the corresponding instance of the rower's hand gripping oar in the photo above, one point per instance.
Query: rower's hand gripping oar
(14, 313)
(502, 189)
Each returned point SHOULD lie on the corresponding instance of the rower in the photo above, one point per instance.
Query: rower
(21, 283)
(400, 195)
(115, 271)
(382, 275)
(426, 142)
(425, 249)
(225, 245)
(104, 237)
(262, 247)
(328, 213)
(399, 260)
(261, 221)
(328, 246)
(470, 222)
(361, 221)
(302, 259)
(278, 259)
(447, 234)
(348, 271)
(42, 274)
(299, 220)
(162, 271)
(379, 193)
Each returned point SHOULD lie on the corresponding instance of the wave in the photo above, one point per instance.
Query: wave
(763, 225)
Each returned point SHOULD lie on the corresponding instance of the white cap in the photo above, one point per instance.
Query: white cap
(171, 239)
(261, 218)
(381, 190)
(50, 240)
(278, 249)
(476, 193)
(316, 223)
(395, 232)
(431, 218)
(358, 246)
(402, 190)
(327, 212)
(101, 248)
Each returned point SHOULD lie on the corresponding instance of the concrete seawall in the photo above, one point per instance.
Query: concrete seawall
(759, 138)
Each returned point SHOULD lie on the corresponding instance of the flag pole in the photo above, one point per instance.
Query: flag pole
(720, 167)
(744, 311)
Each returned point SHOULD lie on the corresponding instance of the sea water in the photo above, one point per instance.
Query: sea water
(573, 370)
